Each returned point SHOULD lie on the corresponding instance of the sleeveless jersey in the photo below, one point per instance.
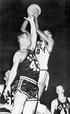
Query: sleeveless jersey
(42, 55)
(63, 108)
(29, 67)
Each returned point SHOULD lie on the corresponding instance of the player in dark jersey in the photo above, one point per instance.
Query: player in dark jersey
(26, 67)
(60, 105)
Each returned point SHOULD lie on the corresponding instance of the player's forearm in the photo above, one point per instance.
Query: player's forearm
(24, 25)
(48, 39)
(12, 76)
(41, 34)
(23, 28)
(36, 23)
(33, 34)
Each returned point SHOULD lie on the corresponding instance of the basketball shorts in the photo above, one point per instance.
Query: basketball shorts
(26, 87)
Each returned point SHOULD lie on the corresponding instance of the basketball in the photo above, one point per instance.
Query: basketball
(33, 8)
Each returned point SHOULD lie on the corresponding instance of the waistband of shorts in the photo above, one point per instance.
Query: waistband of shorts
(28, 79)
(43, 70)
(33, 99)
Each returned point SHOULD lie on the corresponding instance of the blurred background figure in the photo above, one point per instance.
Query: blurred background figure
(1, 89)
(60, 105)
(6, 78)
(5, 103)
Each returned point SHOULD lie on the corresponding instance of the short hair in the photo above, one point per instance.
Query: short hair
(47, 33)
(21, 34)
(60, 87)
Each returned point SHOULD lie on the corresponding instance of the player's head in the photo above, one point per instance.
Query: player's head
(24, 40)
(47, 33)
(59, 90)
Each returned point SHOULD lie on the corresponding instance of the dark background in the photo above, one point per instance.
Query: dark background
(55, 17)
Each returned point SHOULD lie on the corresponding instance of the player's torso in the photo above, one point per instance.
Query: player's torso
(42, 55)
(63, 108)
(29, 66)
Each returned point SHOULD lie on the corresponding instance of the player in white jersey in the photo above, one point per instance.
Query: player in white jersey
(42, 51)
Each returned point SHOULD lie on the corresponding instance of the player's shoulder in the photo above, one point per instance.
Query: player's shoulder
(17, 53)
(68, 99)
(55, 102)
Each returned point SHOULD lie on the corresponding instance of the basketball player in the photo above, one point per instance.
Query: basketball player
(25, 66)
(32, 66)
(60, 105)
(43, 49)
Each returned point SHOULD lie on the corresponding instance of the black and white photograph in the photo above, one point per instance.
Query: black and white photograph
(34, 56)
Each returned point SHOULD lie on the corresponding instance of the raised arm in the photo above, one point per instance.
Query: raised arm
(23, 27)
(46, 36)
(33, 33)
